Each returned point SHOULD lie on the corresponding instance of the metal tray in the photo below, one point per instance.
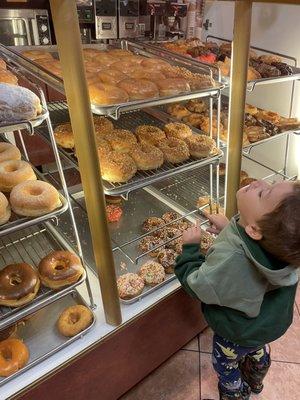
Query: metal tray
(41, 335)
(116, 109)
(30, 246)
(59, 113)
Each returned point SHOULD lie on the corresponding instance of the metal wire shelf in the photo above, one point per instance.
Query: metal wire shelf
(30, 246)
(59, 114)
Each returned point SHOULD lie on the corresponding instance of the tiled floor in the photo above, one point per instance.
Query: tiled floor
(188, 375)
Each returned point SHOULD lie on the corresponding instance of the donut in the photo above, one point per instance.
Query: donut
(119, 53)
(8, 332)
(256, 133)
(175, 245)
(121, 140)
(9, 152)
(142, 73)
(74, 320)
(103, 147)
(104, 94)
(19, 284)
(247, 181)
(129, 286)
(126, 66)
(4, 209)
(64, 136)
(8, 77)
(106, 59)
(253, 74)
(200, 146)
(14, 172)
(177, 130)
(151, 244)
(249, 109)
(206, 241)
(167, 257)
(59, 269)
(170, 216)
(194, 119)
(222, 169)
(113, 213)
(205, 126)
(102, 123)
(117, 167)
(2, 64)
(111, 76)
(196, 106)
(269, 59)
(169, 232)
(270, 116)
(182, 225)
(139, 89)
(89, 53)
(92, 66)
(152, 273)
(18, 103)
(178, 111)
(156, 63)
(149, 134)
(204, 204)
(34, 198)
(37, 54)
(14, 355)
(173, 86)
(147, 157)
(152, 223)
(53, 66)
(175, 150)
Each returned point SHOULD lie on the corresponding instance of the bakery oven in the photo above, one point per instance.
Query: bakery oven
(23, 27)
(106, 19)
(128, 18)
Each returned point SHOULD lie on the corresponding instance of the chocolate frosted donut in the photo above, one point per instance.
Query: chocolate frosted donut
(19, 284)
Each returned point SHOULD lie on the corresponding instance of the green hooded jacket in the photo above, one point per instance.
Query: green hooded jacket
(247, 295)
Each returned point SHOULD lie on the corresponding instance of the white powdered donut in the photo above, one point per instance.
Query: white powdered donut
(18, 103)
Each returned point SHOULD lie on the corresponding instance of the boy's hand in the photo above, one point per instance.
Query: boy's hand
(217, 221)
(192, 235)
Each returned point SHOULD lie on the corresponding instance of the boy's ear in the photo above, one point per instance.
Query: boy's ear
(254, 232)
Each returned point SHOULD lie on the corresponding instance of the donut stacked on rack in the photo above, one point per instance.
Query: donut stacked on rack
(162, 243)
(117, 76)
(122, 153)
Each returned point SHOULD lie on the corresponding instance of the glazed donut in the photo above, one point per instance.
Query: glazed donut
(249, 109)
(74, 320)
(117, 167)
(9, 332)
(4, 209)
(9, 152)
(173, 86)
(34, 198)
(14, 355)
(104, 94)
(2, 64)
(149, 134)
(152, 223)
(92, 66)
(256, 133)
(177, 130)
(139, 89)
(37, 54)
(194, 119)
(111, 76)
(64, 136)
(141, 73)
(269, 59)
(59, 269)
(19, 285)
(270, 116)
(253, 74)
(89, 53)
(175, 150)
(152, 273)
(147, 157)
(196, 106)
(103, 147)
(119, 53)
(156, 63)
(105, 58)
(178, 111)
(129, 286)
(200, 146)
(151, 245)
(126, 66)
(8, 77)
(121, 140)
(167, 257)
(204, 126)
(14, 172)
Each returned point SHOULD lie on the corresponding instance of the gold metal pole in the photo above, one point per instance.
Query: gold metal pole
(238, 86)
(67, 33)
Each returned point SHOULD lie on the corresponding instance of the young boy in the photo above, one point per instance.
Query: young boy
(247, 282)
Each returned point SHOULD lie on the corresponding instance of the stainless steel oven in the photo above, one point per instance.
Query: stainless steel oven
(24, 27)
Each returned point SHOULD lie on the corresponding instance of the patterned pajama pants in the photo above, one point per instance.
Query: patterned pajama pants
(226, 356)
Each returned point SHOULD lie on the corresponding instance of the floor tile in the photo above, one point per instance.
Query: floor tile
(192, 345)
(206, 340)
(209, 381)
(176, 379)
(287, 347)
(282, 383)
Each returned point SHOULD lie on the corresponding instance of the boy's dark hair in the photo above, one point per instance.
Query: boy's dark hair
(281, 229)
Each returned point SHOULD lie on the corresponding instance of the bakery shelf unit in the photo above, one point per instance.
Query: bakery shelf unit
(29, 240)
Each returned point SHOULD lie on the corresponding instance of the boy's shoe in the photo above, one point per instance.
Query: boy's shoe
(243, 394)
(253, 373)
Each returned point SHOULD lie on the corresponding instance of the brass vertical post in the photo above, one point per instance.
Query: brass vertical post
(67, 33)
(238, 86)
